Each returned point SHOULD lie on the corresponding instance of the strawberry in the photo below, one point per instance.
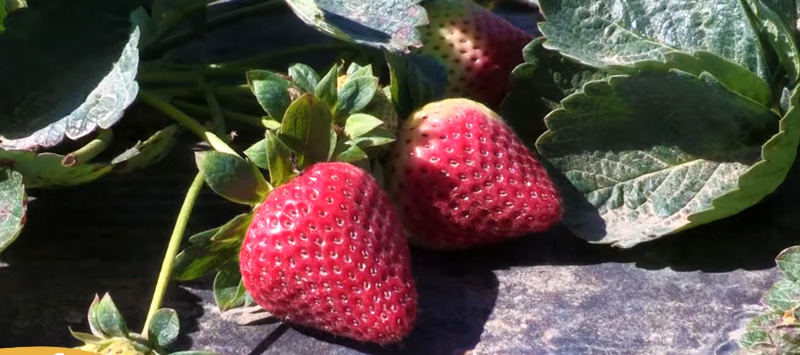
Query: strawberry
(460, 177)
(326, 251)
(478, 49)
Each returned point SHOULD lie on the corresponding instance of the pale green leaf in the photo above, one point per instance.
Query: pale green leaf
(789, 263)
(359, 124)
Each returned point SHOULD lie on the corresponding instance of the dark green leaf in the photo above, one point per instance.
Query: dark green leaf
(278, 160)
(12, 202)
(782, 296)
(146, 153)
(789, 263)
(211, 249)
(641, 166)
(109, 319)
(327, 88)
(352, 154)
(627, 31)
(228, 288)
(66, 82)
(257, 153)
(271, 91)
(49, 170)
(306, 129)
(780, 36)
(384, 24)
(416, 81)
(168, 13)
(164, 327)
(359, 124)
(232, 177)
(355, 95)
(304, 76)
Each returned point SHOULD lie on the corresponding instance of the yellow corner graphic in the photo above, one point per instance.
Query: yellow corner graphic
(43, 350)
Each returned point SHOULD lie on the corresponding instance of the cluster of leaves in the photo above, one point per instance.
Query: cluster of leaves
(776, 330)
(661, 115)
(311, 119)
(110, 334)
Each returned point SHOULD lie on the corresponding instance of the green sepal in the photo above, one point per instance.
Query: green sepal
(232, 177)
(271, 91)
(304, 76)
(164, 327)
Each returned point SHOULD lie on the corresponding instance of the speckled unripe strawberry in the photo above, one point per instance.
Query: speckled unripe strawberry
(478, 48)
(326, 251)
(460, 178)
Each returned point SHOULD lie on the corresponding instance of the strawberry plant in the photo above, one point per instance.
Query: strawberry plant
(433, 124)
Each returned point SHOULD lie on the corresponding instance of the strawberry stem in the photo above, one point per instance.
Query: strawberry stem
(172, 249)
(235, 116)
(93, 148)
(187, 121)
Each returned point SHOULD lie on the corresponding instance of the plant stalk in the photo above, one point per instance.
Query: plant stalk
(172, 249)
(91, 149)
(187, 121)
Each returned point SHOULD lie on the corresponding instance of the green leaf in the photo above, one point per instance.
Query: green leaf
(306, 129)
(211, 249)
(782, 296)
(390, 25)
(94, 325)
(109, 319)
(326, 90)
(164, 327)
(762, 178)
(228, 288)
(271, 91)
(84, 337)
(3, 14)
(789, 263)
(47, 170)
(257, 153)
(355, 95)
(357, 71)
(304, 76)
(641, 166)
(352, 154)
(733, 76)
(232, 177)
(753, 338)
(69, 77)
(376, 137)
(605, 32)
(359, 124)
(280, 164)
(148, 152)
(780, 36)
(13, 201)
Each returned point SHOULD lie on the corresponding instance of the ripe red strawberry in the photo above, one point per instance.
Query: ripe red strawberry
(326, 251)
(460, 178)
(478, 48)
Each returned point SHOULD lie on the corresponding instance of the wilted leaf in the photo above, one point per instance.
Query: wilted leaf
(47, 169)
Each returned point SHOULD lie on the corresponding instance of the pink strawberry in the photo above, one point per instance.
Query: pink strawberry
(326, 251)
(478, 48)
(460, 177)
